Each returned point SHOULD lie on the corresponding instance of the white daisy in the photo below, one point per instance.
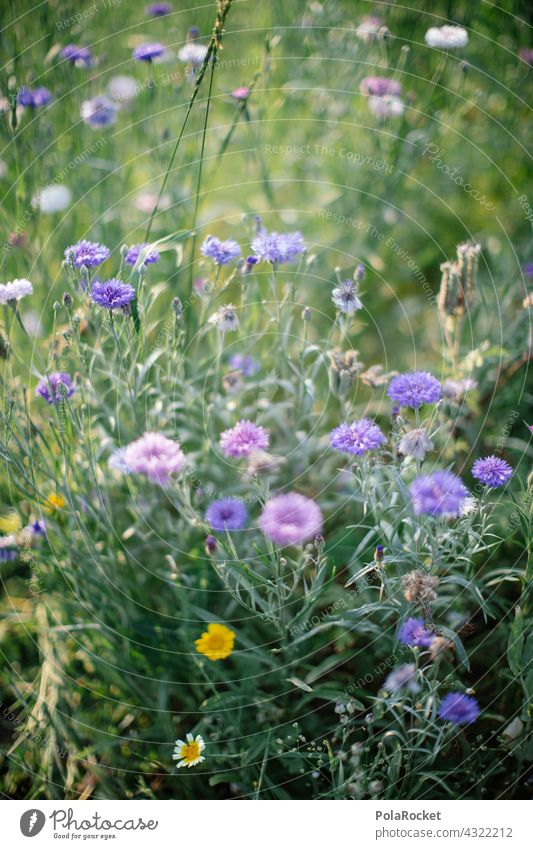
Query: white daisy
(189, 752)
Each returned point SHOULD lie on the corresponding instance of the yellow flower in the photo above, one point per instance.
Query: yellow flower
(216, 643)
(10, 522)
(54, 501)
(189, 753)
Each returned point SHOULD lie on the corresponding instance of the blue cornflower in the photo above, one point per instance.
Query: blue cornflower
(147, 52)
(492, 471)
(459, 709)
(439, 494)
(221, 252)
(7, 554)
(87, 253)
(415, 389)
(247, 365)
(55, 387)
(158, 10)
(37, 528)
(357, 438)
(112, 294)
(79, 56)
(34, 97)
(133, 254)
(413, 633)
(278, 248)
(99, 112)
(228, 514)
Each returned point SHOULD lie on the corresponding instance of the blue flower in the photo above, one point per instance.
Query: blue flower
(228, 514)
(357, 438)
(112, 294)
(247, 365)
(415, 389)
(439, 494)
(34, 98)
(133, 254)
(492, 471)
(87, 253)
(459, 709)
(147, 52)
(79, 56)
(221, 252)
(413, 633)
(278, 248)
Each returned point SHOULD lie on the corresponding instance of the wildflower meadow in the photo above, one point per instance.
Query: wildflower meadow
(266, 517)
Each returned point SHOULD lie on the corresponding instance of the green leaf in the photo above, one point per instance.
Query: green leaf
(515, 645)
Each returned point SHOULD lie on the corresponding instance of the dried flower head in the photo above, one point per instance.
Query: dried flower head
(416, 443)
(225, 319)
(419, 588)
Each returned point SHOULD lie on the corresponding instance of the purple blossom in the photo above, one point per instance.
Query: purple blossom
(221, 252)
(228, 514)
(402, 676)
(78, 55)
(492, 471)
(55, 387)
(87, 253)
(133, 254)
(414, 389)
(147, 52)
(357, 438)
(34, 98)
(278, 248)
(290, 519)
(380, 87)
(459, 709)
(345, 297)
(245, 437)
(244, 363)
(155, 456)
(37, 528)
(413, 633)
(112, 294)
(158, 10)
(439, 494)
(99, 112)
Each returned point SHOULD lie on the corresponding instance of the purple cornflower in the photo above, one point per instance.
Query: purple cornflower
(221, 252)
(55, 387)
(345, 297)
(380, 87)
(402, 676)
(147, 52)
(112, 294)
(78, 55)
(158, 10)
(356, 438)
(459, 709)
(34, 97)
(247, 365)
(413, 633)
(278, 248)
(240, 93)
(439, 494)
(526, 53)
(492, 471)
(133, 254)
(245, 437)
(99, 112)
(290, 519)
(155, 456)
(228, 514)
(414, 389)
(87, 253)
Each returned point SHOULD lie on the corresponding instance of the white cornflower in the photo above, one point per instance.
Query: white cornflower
(369, 28)
(345, 297)
(225, 319)
(192, 53)
(15, 290)
(447, 37)
(53, 198)
(386, 106)
(415, 444)
(123, 88)
(189, 752)
(467, 506)
(117, 461)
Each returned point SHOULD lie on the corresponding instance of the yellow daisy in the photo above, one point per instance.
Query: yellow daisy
(216, 643)
(54, 501)
(10, 522)
(189, 753)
